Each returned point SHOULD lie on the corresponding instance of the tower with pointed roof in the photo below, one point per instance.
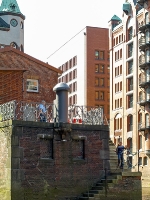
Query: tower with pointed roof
(11, 25)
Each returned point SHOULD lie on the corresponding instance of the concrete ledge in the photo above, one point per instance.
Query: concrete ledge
(131, 173)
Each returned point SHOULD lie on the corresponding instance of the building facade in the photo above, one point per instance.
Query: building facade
(84, 61)
(129, 82)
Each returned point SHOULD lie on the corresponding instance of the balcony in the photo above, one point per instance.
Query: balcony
(143, 62)
(144, 26)
(143, 127)
(143, 101)
(144, 81)
(143, 43)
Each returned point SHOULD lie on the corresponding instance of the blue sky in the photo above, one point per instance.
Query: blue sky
(50, 23)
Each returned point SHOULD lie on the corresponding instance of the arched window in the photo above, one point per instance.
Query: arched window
(129, 123)
(14, 45)
(21, 25)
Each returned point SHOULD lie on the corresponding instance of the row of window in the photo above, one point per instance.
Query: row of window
(100, 95)
(100, 55)
(69, 64)
(73, 87)
(100, 82)
(118, 71)
(118, 55)
(68, 77)
(100, 68)
(118, 87)
(72, 100)
(118, 103)
(118, 39)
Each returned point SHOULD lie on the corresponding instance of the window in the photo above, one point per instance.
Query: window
(147, 18)
(130, 50)
(101, 82)
(78, 149)
(96, 55)
(46, 148)
(96, 95)
(96, 81)
(70, 76)
(32, 85)
(96, 68)
(74, 60)
(21, 25)
(130, 33)
(130, 67)
(14, 45)
(75, 99)
(99, 55)
(74, 86)
(101, 68)
(70, 101)
(66, 78)
(102, 95)
(130, 99)
(120, 69)
(140, 160)
(74, 73)
(145, 161)
(66, 64)
(70, 63)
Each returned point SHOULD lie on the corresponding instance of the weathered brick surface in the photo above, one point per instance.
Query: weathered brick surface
(13, 83)
(65, 175)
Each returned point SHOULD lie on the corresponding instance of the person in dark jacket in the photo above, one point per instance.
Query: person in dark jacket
(119, 150)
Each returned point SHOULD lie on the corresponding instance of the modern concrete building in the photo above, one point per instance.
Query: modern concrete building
(11, 25)
(84, 61)
(130, 81)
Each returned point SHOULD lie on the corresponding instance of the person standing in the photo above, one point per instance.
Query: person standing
(42, 111)
(119, 150)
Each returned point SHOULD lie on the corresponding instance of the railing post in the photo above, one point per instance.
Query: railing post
(61, 107)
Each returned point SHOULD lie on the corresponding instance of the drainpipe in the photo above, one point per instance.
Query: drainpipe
(61, 103)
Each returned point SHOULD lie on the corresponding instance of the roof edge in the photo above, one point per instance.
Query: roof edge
(7, 49)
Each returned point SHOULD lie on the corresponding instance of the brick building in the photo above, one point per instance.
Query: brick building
(25, 78)
(84, 61)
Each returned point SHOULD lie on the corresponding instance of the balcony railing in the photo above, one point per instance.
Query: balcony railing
(29, 111)
(143, 100)
(143, 81)
(143, 126)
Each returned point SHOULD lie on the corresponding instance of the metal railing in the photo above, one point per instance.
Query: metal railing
(29, 111)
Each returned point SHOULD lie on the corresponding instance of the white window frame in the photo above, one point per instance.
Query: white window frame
(32, 81)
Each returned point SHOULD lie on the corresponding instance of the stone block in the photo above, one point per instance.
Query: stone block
(15, 163)
(15, 140)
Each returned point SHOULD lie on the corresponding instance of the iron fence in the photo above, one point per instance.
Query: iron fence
(29, 111)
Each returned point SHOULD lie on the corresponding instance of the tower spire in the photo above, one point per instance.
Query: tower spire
(10, 6)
